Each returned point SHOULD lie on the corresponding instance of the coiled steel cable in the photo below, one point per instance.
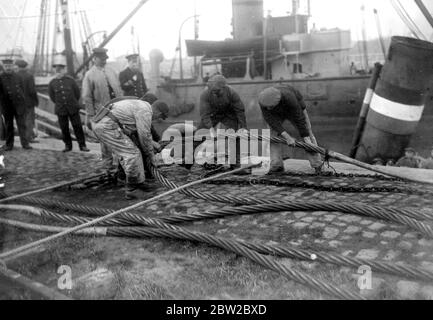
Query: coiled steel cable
(361, 209)
(239, 249)
(406, 217)
(370, 211)
(229, 245)
(282, 251)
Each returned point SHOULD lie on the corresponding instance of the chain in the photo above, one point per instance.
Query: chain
(315, 186)
(342, 175)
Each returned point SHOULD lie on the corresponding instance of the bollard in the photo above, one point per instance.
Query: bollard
(398, 102)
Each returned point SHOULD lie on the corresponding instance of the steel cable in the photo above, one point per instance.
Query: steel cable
(402, 216)
(229, 245)
(282, 251)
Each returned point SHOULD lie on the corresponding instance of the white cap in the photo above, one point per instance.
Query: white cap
(59, 59)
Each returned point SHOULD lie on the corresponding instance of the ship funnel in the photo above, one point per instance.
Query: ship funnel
(398, 102)
(247, 18)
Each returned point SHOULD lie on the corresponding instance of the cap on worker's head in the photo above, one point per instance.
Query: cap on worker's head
(375, 160)
(409, 150)
(21, 63)
(100, 53)
(8, 61)
(59, 60)
(162, 107)
(132, 56)
(217, 80)
(270, 97)
(150, 98)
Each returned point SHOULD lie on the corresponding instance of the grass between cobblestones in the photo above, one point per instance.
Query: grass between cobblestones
(165, 269)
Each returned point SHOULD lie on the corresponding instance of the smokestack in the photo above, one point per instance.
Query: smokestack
(247, 18)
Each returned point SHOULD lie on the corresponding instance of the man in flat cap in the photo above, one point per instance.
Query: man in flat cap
(285, 103)
(222, 108)
(132, 79)
(65, 94)
(123, 125)
(13, 101)
(100, 84)
(409, 160)
(31, 97)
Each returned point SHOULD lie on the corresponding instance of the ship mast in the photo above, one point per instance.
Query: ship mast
(41, 42)
(69, 53)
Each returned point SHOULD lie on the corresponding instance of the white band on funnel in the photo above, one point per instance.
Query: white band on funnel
(396, 110)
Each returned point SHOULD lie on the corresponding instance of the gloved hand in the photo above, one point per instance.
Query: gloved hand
(289, 139)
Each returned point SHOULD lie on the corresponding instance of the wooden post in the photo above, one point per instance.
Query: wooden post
(359, 130)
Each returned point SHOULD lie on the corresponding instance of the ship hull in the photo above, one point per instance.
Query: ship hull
(331, 97)
(333, 104)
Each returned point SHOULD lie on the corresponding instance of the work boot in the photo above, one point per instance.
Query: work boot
(133, 192)
(9, 148)
(27, 147)
(84, 149)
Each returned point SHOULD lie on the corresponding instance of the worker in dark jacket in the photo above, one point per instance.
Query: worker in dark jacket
(132, 79)
(31, 97)
(282, 103)
(220, 104)
(222, 108)
(65, 94)
(13, 102)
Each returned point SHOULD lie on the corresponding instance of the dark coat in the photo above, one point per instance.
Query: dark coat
(138, 89)
(65, 94)
(290, 108)
(30, 92)
(12, 94)
(226, 108)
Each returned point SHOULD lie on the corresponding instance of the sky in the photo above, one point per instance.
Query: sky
(158, 21)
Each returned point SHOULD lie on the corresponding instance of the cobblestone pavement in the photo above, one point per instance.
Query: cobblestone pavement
(332, 232)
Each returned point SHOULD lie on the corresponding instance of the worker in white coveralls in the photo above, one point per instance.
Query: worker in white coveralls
(121, 126)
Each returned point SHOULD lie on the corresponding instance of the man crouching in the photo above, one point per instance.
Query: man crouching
(124, 126)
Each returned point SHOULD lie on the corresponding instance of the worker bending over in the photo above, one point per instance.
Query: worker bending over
(222, 108)
(282, 103)
(125, 128)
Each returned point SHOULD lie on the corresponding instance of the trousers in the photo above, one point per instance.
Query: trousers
(76, 125)
(10, 133)
(115, 142)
